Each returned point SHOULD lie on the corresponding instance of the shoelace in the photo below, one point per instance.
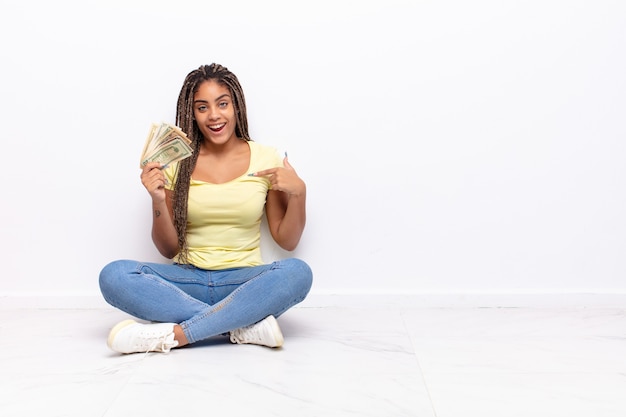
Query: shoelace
(246, 334)
(163, 344)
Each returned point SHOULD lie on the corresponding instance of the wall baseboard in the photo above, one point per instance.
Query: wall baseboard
(469, 300)
(355, 299)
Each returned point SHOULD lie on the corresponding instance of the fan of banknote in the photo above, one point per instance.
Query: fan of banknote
(166, 143)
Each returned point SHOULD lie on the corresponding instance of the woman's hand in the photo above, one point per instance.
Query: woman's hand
(284, 179)
(154, 180)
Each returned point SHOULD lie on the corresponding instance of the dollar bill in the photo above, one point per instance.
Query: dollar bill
(165, 143)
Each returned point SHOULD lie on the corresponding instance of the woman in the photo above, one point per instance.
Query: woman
(206, 216)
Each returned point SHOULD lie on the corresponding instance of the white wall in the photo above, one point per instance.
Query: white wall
(448, 146)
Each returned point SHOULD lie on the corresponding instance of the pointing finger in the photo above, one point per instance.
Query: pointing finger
(286, 162)
(263, 172)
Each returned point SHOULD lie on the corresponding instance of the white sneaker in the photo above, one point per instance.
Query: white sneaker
(132, 337)
(264, 333)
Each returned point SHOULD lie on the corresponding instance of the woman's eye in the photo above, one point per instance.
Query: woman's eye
(223, 104)
(201, 108)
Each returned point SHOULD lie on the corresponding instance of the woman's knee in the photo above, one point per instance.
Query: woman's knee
(301, 272)
(112, 276)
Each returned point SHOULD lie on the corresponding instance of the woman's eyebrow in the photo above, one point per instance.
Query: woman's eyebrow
(217, 99)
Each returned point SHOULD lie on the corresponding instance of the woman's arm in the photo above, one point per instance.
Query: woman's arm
(286, 217)
(163, 232)
(285, 206)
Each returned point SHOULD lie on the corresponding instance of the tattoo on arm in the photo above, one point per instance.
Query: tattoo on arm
(157, 213)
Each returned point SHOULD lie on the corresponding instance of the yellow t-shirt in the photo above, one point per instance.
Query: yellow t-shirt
(223, 220)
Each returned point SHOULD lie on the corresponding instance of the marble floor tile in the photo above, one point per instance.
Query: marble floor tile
(522, 362)
(340, 360)
(528, 394)
(520, 340)
(56, 363)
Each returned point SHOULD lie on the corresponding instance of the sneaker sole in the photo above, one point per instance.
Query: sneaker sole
(115, 330)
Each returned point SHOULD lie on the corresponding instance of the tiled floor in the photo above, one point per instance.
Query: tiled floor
(338, 360)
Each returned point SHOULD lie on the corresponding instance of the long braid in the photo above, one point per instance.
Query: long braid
(186, 122)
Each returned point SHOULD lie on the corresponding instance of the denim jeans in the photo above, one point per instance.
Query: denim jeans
(205, 303)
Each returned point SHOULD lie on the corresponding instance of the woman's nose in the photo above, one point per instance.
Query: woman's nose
(213, 113)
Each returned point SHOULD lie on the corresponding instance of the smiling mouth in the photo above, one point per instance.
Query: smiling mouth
(217, 128)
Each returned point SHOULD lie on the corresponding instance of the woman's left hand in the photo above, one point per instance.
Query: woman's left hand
(284, 179)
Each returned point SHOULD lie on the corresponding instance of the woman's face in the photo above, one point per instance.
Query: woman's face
(214, 112)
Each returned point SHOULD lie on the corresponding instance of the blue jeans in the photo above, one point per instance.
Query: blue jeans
(205, 303)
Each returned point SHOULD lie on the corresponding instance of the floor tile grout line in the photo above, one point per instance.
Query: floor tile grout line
(133, 366)
(419, 366)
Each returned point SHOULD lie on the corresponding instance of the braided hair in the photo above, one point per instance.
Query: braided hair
(186, 122)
